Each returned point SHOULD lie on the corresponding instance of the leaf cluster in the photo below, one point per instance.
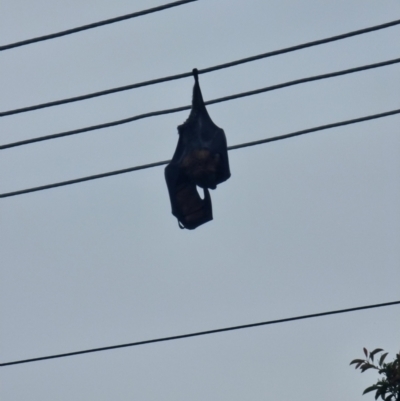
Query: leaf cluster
(388, 387)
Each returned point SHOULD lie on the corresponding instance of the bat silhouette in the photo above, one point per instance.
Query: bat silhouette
(200, 159)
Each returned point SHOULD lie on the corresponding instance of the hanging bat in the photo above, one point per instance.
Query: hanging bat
(200, 159)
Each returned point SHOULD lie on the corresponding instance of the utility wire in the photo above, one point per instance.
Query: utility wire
(182, 108)
(94, 25)
(202, 333)
(160, 163)
(203, 71)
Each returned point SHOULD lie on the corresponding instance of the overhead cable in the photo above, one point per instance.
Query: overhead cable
(202, 333)
(160, 163)
(202, 71)
(182, 108)
(94, 25)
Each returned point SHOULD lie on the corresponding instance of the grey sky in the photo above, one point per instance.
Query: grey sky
(304, 225)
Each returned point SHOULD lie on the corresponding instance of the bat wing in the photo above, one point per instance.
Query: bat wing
(203, 147)
(186, 203)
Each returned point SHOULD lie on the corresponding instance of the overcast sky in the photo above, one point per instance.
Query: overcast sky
(304, 225)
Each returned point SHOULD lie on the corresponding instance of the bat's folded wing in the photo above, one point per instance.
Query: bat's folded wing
(186, 203)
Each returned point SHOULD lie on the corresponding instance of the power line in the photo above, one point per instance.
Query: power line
(160, 163)
(89, 178)
(182, 108)
(202, 333)
(202, 71)
(315, 129)
(94, 25)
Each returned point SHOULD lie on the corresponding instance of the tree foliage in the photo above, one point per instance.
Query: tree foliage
(388, 387)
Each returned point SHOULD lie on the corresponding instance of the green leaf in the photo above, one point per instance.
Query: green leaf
(356, 361)
(380, 392)
(365, 352)
(366, 366)
(389, 397)
(371, 388)
(376, 350)
(382, 358)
